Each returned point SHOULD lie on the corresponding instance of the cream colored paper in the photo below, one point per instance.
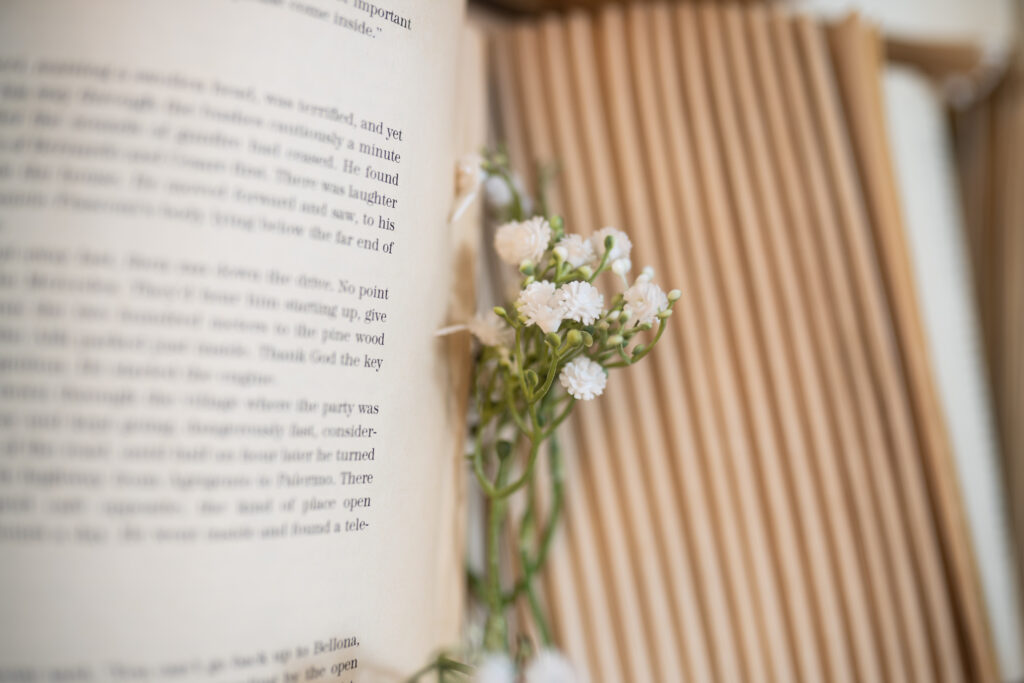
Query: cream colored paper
(166, 86)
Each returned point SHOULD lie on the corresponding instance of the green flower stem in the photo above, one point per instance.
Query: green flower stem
(552, 372)
(501, 492)
(527, 528)
(646, 349)
(521, 374)
(476, 584)
(517, 202)
(511, 403)
(532, 567)
(496, 626)
(535, 606)
(441, 664)
(550, 431)
(602, 266)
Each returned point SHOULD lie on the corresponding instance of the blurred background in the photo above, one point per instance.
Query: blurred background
(950, 82)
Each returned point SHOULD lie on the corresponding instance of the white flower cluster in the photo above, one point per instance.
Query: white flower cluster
(583, 378)
(520, 241)
(490, 330)
(644, 300)
(548, 666)
(618, 255)
(544, 305)
(558, 289)
(575, 250)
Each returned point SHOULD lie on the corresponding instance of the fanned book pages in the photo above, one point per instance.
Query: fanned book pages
(989, 149)
(230, 439)
(777, 499)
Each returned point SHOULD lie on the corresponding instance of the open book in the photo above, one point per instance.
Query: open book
(229, 439)
(229, 436)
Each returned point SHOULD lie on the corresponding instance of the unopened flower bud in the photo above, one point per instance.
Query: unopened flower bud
(560, 253)
(531, 378)
(674, 295)
(621, 266)
(552, 339)
(503, 448)
(586, 272)
(588, 339)
(647, 272)
(609, 242)
(574, 338)
(557, 224)
(527, 268)
(664, 314)
(615, 340)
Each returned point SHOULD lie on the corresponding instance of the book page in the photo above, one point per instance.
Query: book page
(226, 436)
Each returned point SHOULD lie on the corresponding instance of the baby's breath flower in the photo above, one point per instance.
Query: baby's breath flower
(521, 241)
(581, 301)
(620, 249)
(550, 666)
(496, 668)
(540, 304)
(577, 250)
(497, 192)
(583, 378)
(643, 302)
(490, 330)
(621, 266)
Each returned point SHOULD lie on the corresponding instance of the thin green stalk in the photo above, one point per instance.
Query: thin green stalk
(550, 431)
(496, 627)
(646, 349)
(501, 492)
(535, 607)
(533, 566)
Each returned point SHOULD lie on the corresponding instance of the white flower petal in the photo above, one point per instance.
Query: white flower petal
(643, 302)
(621, 266)
(620, 249)
(583, 378)
(540, 304)
(490, 330)
(577, 250)
(495, 669)
(581, 301)
(497, 192)
(521, 241)
(550, 666)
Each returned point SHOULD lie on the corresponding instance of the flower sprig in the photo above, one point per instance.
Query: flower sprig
(550, 347)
